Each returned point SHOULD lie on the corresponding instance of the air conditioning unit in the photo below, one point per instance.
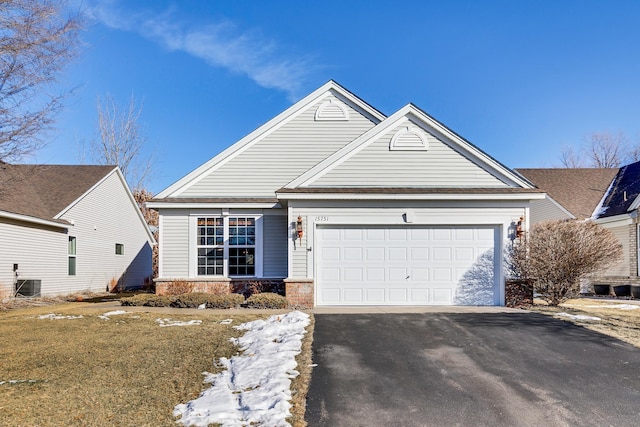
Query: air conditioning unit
(28, 287)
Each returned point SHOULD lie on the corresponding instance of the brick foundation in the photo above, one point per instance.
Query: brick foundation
(299, 292)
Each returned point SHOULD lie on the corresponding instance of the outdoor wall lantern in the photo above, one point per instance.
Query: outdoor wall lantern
(299, 227)
(520, 228)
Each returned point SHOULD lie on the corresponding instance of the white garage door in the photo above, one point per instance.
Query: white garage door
(415, 265)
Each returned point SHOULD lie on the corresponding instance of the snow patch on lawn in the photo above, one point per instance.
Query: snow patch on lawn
(254, 388)
(169, 322)
(106, 315)
(21, 381)
(579, 317)
(612, 306)
(53, 316)
(226, 321)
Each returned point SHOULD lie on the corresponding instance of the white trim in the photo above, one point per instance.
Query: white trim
(329, 88)
(398, 118)
(160, 248)
(33, 220)
(622, 219)
(173, 205)
(290, 242)
(430, 196)
(635, 205)
(193, 244)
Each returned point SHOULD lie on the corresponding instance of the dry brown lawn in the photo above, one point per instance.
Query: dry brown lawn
(615, 322)
(126, 371)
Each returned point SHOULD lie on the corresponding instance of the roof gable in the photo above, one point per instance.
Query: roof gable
(44, 191)
(623, 195)
(330, 105)
(410, 149)
(578, 190)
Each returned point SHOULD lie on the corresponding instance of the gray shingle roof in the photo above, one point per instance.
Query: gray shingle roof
(578, 190)
(43, 191)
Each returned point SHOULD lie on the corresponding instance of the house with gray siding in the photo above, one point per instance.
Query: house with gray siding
(608, 196)
(346, 206)
(66, 229)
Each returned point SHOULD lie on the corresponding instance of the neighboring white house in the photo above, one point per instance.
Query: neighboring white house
(348, 207)
(65, 229)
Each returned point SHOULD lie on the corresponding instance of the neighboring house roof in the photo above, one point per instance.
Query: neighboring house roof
(578, 190)
(43, 191)
(623, 194)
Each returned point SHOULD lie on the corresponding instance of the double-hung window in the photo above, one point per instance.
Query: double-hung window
(226, 246)
(72, 250)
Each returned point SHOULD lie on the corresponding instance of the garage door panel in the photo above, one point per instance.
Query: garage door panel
(375, 254)
(441, 254)
(410, 265)
(352, 254)
(397, 254)
(375, 295)
(376, 274)
(419, 254)
(353, 295)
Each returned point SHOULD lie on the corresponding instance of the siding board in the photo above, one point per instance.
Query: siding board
(377, 166)
(275, 246)
(175, 243)
(280, 157)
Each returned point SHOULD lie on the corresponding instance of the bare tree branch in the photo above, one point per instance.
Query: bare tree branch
(120, 141)
(569, 158)
(37, 40)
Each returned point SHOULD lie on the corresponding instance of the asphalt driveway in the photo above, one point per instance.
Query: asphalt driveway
(469, 369)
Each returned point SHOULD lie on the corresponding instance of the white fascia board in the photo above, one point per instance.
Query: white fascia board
(397, 118)
(635, 205)
(616, 220)
(328, 88)
(163, 205)
(132, 200)
(431, 196)
(33, 220)
(559, 206)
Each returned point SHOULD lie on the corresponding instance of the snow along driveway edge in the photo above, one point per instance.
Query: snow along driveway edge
(255, 386)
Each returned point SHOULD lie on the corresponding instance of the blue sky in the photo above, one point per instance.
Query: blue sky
(518, 79)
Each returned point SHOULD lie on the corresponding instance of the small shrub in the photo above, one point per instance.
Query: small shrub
(252, 287)
(557, 255)
(191, 300)
(225, 301)
(267, 300)
(147, 300)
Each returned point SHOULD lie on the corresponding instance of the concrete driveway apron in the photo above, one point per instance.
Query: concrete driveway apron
(469, 369)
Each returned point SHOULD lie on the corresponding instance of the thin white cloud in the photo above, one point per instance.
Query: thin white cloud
(220, 44)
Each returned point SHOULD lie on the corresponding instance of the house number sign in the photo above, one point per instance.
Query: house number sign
(322, 219)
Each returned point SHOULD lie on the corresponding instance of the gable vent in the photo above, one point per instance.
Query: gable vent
(409, 138)
(332, 110)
